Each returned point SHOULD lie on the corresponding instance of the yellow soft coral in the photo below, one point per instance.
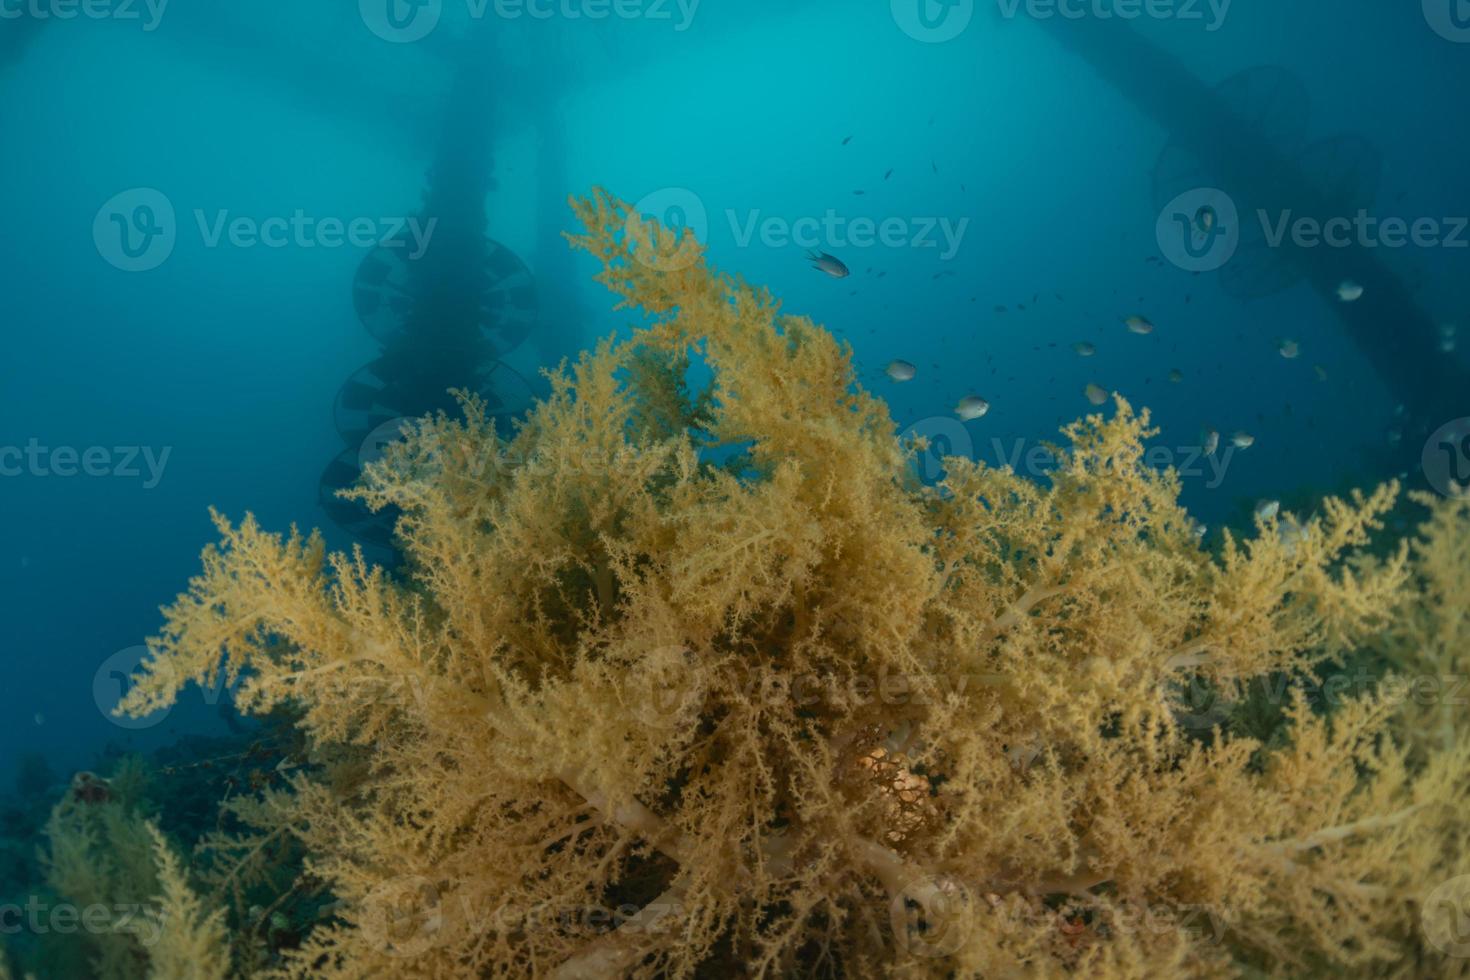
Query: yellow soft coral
(143, 918)
(678, 683)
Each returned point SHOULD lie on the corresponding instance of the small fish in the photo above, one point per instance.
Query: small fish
(829, 264)
(1210, 441)
(889, 174)
(1083, 349)
(846, 140)
(1176, 376)
(1095, 393)
(39, 718)
(901, 371)
(1242, 440)
(1349, 291)
(1267, 509)
(1320, 371)
(971, 407)
(1288, 348)
(1204, 219)
(1197, 529)
(1139, 325)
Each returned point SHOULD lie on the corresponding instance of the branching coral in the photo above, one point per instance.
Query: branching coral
(140, 916)
(679, 682)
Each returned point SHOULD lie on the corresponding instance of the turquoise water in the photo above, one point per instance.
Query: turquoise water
(154, 366)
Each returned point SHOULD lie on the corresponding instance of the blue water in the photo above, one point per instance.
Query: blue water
(227, 358)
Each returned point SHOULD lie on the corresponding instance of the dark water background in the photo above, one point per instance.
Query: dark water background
(227, 358)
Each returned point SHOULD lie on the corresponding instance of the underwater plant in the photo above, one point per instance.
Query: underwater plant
(109, 861)
(677, 682)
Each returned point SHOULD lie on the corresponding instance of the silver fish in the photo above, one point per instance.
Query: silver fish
(900, 371)
(971, 407)
(830, 264)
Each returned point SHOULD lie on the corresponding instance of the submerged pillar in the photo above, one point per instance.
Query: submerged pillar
(1387, 324)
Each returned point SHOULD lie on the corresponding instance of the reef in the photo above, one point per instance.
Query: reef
(678, 682)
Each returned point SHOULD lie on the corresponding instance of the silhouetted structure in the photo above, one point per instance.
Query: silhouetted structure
(445, 319)
(1243, 138)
